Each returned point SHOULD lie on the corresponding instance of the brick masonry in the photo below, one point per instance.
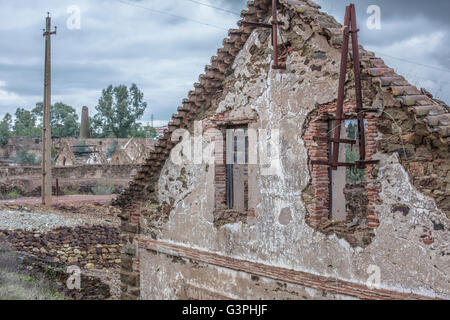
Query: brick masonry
(319, 151)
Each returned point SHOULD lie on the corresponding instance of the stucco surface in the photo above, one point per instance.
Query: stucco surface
(282, 101)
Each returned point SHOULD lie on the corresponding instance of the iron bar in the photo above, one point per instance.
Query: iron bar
(328, 139)
(260, 24)
(274, 25)
(327, 163)
(275, 35)
(357, 70)
(341, 90)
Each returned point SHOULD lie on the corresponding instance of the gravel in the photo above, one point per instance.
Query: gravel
(13, 220)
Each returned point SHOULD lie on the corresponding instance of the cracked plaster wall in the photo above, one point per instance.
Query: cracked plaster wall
(282, 100)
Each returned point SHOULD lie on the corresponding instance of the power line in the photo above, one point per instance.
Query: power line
(234, 13)
(217, 8)
(170, 14)
(413, 62)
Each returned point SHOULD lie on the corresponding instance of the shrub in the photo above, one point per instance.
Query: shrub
(23, 157)
(112, 149)
(11, 195)
(16, 284)
(67, 191)
(103, 189)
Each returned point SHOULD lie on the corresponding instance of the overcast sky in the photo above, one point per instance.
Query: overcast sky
(123, 41)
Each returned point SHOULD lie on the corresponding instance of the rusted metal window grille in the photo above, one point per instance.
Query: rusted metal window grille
(350, 28)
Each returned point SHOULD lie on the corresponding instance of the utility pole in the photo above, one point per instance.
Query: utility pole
(46, 188)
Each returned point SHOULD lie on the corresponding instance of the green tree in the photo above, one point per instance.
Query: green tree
(143, 132)
(5, 129)
(112, 149)
(23, 157)
(25, 124)
(352, 129)
(63, 119)
(118, 111)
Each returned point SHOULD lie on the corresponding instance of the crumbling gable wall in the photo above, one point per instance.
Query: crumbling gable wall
(65, 157)
(410, 233)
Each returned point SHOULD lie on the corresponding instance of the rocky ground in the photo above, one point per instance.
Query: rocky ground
(75, 231)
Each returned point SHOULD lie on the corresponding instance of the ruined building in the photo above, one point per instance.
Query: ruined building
(292, 227)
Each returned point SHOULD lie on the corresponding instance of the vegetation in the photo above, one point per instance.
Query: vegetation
(63, 119)
(5, 129)
(10, 195)
(16, 284)
(70, 191)
(112, 149)
(118, 111)
(25, 124)
(24, 157)
(103, 189)
(352, 155)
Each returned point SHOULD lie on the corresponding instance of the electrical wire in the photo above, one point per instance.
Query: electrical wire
(413, 62)
(213, 7)
(170, 14)
(234, 13)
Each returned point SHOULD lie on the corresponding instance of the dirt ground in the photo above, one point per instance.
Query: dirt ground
(64, 199)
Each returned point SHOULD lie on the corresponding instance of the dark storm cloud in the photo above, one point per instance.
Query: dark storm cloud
(411, 31)
(122, 43)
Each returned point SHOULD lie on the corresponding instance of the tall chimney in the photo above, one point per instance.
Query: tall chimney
(85, 132)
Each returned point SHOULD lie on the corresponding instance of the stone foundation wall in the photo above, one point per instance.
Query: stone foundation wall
(87, 247)
(92, 288)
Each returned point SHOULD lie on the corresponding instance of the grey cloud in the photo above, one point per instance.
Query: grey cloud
(120, 43)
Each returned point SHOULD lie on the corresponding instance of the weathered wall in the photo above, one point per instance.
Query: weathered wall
(137, 148)
(27, 180)
(86, 246)
(411, 236)
(192, 280)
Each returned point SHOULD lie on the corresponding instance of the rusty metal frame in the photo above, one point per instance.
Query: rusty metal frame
(274, 27)
(349, 28)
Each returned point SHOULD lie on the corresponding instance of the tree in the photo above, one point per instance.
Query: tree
(5, 129)
(23, 157)
(112, 149)
(118, 110)
(63, 119)
(144, 132)
(25, 124)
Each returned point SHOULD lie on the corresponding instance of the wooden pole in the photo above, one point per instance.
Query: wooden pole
(46, 188)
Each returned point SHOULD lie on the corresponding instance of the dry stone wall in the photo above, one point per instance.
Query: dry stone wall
(87, 247)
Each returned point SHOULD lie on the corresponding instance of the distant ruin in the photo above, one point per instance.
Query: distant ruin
(80, 165)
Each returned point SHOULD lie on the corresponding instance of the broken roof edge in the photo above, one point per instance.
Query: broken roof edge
(421, 103)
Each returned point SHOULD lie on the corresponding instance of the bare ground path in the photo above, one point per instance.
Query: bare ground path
(64, 199)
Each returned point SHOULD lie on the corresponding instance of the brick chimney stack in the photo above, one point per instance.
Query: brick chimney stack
(85, 132)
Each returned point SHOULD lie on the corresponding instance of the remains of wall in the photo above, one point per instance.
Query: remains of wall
(410, 233)
(87, 247)
(135, 148)
(84, 178)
